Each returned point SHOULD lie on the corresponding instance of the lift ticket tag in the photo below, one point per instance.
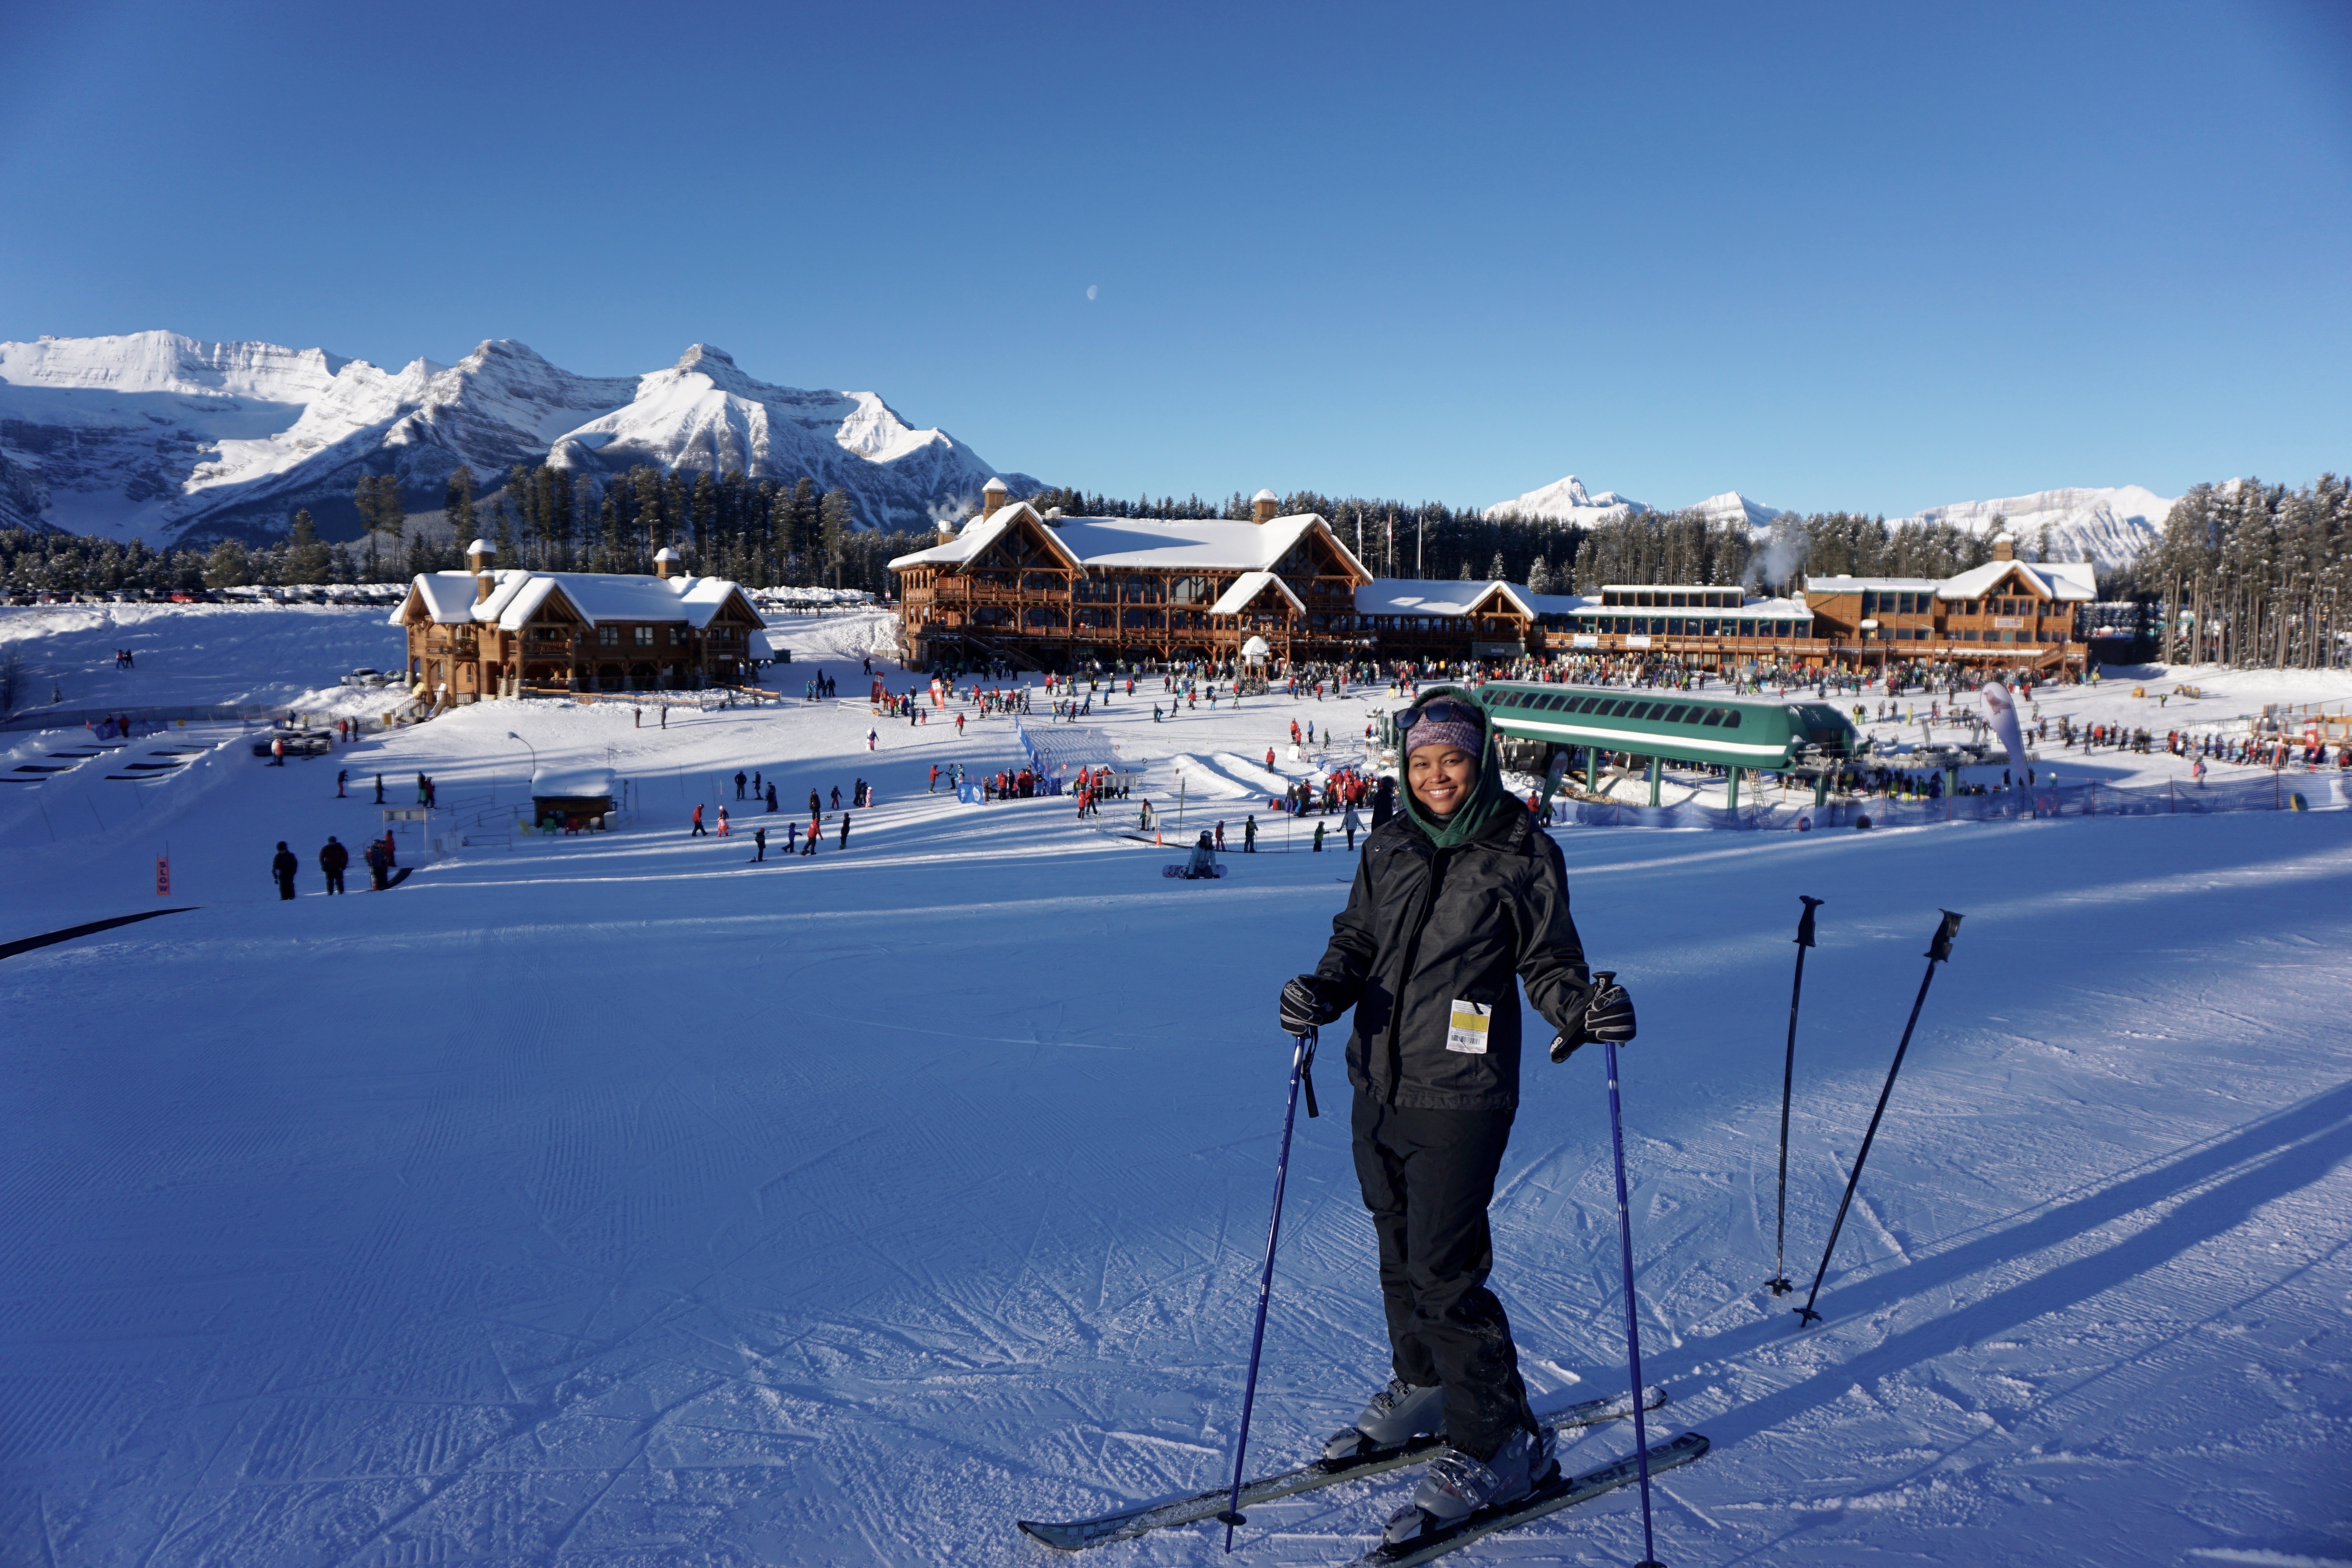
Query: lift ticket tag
(1466, 1031)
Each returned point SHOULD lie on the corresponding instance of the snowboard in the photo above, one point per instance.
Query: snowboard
(1178, 871)
(399, 875)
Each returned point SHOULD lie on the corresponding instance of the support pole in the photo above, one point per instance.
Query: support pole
(1732, 798)
(1939, 951)
(1657, 773)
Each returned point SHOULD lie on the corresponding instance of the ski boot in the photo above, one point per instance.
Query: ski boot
(1457, 1486)
(1397, 1415)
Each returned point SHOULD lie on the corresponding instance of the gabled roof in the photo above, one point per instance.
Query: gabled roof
(976, 535)
(1249, 586)
(2067, 581)
(448, 597)
(1120, 543)
(1441, 596)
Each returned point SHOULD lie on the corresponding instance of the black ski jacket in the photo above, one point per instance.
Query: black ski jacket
(1426, 928)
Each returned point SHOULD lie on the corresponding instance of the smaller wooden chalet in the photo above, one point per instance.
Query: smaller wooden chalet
(483, 633)
(1045, 591)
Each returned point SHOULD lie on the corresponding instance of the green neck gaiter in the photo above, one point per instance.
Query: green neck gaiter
(1476, 812)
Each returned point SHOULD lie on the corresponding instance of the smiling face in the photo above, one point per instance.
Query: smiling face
(1441, 777)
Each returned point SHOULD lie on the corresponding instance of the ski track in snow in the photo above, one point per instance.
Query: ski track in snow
(615, 1200)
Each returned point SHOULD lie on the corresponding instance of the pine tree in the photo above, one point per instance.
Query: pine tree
(306, 559)
(227, 567)
(1539, 576)
(835, 517)
(457, 503)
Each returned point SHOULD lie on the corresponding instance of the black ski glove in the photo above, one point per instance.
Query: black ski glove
(1604, 1013)
(1609, 1014)
(1307, 1002)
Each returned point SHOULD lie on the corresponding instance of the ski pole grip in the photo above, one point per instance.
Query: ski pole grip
(1306, 1072)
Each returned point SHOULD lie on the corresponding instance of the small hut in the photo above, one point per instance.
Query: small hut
(572, 799)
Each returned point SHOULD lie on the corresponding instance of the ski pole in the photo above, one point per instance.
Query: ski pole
(1302, 1066)
(1939, 951)
(1778, 1284)
(1601, 979)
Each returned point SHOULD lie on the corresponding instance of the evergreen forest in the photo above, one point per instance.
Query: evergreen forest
(2245, 572)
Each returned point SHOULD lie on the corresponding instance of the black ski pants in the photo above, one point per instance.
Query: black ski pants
(1427, 1177)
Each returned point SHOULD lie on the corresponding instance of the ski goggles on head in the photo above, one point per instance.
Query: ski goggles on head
(1444, 721)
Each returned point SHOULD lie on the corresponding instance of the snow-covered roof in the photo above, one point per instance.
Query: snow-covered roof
(448, 597)
(1205, 542)
(1119, 542)
(665, 553)
(2063, 580)
(1843, 583)
(760, 647)
(573, 783)
(1249, 586)
(2068, 581)
(994, 484)
(978, 535)
(1265, 495)
(1441, 597)
(481, 547)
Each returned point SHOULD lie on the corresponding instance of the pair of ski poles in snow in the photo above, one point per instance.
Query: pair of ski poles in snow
(1302, 1067)
(1939, 951)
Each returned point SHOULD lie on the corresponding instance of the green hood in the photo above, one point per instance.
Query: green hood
(1480, 808)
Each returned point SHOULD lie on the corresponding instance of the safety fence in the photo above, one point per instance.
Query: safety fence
(75, 718)
(2265, 791)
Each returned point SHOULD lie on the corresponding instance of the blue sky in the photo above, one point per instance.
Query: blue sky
(1869, 256)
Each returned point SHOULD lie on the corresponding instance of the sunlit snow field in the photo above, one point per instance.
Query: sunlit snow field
(618, 1200)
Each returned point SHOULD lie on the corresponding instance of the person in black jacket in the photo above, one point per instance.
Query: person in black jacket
(333, 858)
(282, 866)
(1459, 900)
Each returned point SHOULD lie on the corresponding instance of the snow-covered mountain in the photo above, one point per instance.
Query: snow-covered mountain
(180, 441)
(2110, 526)
(1566, 500)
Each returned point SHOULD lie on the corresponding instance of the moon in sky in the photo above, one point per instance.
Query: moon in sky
(1093, 289)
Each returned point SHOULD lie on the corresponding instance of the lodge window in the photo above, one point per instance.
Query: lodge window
(644, 636)
(608, 636)
(1040, 582)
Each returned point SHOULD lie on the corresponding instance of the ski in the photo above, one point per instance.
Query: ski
(1564, 1492)
(1077, 1535)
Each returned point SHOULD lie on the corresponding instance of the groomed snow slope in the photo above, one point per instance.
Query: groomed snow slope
(620, 1201)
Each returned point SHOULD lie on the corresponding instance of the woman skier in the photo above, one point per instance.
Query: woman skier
(1458, 901)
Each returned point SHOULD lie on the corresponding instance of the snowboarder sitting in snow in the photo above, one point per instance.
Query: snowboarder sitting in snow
(1204, 862)
(1458, 899)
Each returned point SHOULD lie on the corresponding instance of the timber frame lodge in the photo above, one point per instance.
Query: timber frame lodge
(1045, 591)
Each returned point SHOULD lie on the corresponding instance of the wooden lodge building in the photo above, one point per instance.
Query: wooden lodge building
(483, 633)
(1045, 591)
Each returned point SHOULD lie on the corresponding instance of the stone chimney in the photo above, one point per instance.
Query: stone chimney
(478, 555)
(485, 584)
(992, 496)
(665, 562)
(2004, 547)
(947, 531)
(1264, 505)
